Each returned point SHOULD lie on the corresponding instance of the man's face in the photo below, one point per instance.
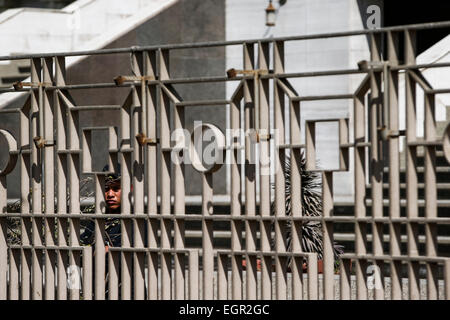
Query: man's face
(113, 195)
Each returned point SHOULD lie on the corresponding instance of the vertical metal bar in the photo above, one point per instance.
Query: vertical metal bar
(310, 143)
(313, 281)
(235, 198)
(207, 230)
(87, 151)
(179, 210)
(344, 161)
(264, 171)
(14, 265)
(125, 207)
(411, 168)
(193, 275)
(3, 240)
(430, 174)
(376, 160)
(361, 284)
(74, 233)
(360, 191)
(139, 126)
(236, 265)
(113, 275)
(297, 277)
(412, 209)
(311, 165)
(3, 194)
(152, 289)
(87, 273)
(278, 57)
(73, 168)
(222, 273)
(345, 279)
(139, 257)
(280, 204)
(250, 230)
(152, 202)
(430, 195)
(327, 226)
(432, 281)
(375, 109)
(376, 165)
(250, 166)
(447, 279)
(17, 256)
(25, 256)
(391, 90)
(236, 225)
(49, 179)
(36, 114)
(296, 201)
(99, 225)
(61, 173)
(165, 177)
(360, 194)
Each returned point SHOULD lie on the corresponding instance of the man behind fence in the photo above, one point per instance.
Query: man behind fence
(112, 225)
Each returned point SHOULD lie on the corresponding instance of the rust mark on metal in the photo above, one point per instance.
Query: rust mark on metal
(143, 140)
(20, 84)
(122, 79)
(263, 137)
(232, 73)
(40, 142)
(365, 65)
(386, 133)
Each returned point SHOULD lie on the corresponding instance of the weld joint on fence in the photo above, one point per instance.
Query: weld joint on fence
(263, 137)
(386, 133)
(142, 139)
(232, 73)
(119, 80)
(18, 85)
(256, 137)
(365, 65)
(42, 143)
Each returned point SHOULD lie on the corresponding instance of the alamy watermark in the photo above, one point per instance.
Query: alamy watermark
(73, 277)
(374, 19)
(205, 147)
(374, 280)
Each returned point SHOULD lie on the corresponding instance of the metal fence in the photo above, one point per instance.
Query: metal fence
(153, 261)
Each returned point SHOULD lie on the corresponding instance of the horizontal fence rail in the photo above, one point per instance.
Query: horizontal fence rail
(261, 254)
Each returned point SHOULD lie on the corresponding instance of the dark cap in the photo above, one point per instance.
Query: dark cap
(111, 178)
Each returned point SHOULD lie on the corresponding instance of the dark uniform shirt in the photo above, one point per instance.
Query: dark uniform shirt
(112, 233)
